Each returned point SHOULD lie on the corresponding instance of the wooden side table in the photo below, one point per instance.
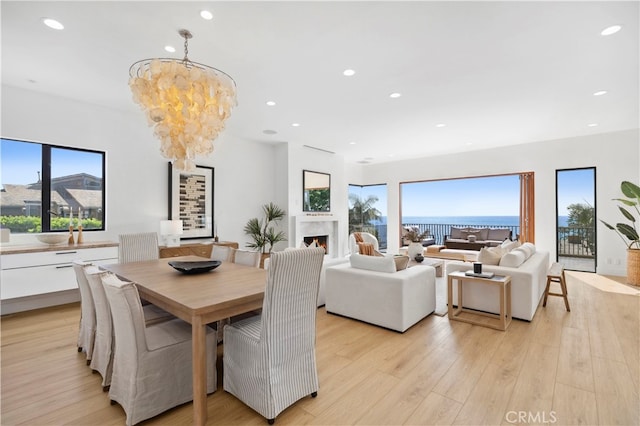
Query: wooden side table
(500, 321)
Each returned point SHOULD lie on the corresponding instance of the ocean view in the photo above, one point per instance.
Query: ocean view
(466, 220)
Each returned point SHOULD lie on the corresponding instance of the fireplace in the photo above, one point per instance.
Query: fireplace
(319, 240)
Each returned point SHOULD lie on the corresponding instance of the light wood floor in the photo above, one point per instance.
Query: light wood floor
(581, 367)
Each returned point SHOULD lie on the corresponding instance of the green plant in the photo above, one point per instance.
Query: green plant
(632, 192)
(362, 213)
(413, 234)
(262, 232)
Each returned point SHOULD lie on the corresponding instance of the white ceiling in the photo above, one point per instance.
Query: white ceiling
(495, 73)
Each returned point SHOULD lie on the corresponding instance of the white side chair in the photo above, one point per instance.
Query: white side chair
(102, 359)
(367, 237)
(138, 247)
(152, 367)
(246, 257)
(87, 327)
(221, 253)
(270, 359)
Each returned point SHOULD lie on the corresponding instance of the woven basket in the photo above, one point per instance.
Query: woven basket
(633, 266)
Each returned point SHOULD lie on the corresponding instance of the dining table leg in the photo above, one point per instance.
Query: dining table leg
(199, 358)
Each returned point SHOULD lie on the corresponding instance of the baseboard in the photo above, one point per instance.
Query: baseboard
(28, 303)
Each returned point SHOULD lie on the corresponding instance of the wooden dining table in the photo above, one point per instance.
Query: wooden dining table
(199, 299)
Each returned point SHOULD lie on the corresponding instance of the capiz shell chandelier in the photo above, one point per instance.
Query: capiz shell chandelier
(186, 102)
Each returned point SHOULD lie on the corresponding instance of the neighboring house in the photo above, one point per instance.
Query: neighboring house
(24, 200)
(78, 191)
(89, 201)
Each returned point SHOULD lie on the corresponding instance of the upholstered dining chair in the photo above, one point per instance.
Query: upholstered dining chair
(87, 327)
(138, 247)
(152, 366)
(102, 359)
(221, 253)
(246, 257)
(270, 359)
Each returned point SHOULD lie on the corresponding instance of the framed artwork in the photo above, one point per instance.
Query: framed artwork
(191, 200)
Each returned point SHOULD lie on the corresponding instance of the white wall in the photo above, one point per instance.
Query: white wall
(616, 157)
(301, 158)
(137, 174)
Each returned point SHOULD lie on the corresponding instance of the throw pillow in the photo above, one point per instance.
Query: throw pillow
(489, 256)
(373, 263)
(509, 245)
(401, 262)
(512, 259)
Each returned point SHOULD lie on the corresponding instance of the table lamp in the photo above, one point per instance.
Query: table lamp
(171, 231)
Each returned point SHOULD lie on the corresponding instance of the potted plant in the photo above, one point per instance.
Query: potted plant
(414, 237)
(629, 231)
(262, 231)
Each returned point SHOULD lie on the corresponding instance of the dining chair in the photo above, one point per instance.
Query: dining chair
(138, 247)
(246, 257)
(102, 359)
(221, 253)
(270, 359)
(87, 327)
(152, 366)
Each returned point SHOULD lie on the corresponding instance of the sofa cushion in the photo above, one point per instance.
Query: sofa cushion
(480, 233)
(498, 234)
(401, 262)
(373, 263)
(513, 259)
(509, 245)
(490, 256)
(529, 247)
(459, 233)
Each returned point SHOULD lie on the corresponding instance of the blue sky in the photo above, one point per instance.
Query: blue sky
(486, 196)
(575, 187)
(20, 162)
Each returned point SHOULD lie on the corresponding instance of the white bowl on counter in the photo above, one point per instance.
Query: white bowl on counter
(53, 239)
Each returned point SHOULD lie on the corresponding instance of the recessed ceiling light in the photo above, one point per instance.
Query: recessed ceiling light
(440, 125)
(363, 162)
(600, 93)
(269, 132)
(592, 124)
(205, 14)
(295, 124)
(352, 143)
(170, 49)
(611, 30)
(395, 95)
(348, 73)
(270, 103)
(52, 23)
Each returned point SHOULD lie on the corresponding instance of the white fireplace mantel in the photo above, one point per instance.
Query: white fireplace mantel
(318, 224)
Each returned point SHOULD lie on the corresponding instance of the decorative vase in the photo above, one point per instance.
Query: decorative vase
(263, 256)
(419, 258)
(414, 249)
(80, 240)
(71, 239)
(633, 266)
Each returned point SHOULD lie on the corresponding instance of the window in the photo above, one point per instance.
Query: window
(488, 201)
(69, 181)
(368, 211)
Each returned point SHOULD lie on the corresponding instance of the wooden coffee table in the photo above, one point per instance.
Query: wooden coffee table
(498, 321)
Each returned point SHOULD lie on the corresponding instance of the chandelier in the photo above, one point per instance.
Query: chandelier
(186, 102)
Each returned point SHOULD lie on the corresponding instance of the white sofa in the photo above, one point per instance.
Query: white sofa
(528, 282)
(395, 300)
(328, 262)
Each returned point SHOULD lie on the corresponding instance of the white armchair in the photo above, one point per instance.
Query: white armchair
(367, 238)
(378, 294)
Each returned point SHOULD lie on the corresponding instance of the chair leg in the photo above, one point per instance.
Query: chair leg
(88, 362)
(271, 421)
(314, 394)
(112, 402)
(79, 348)
(106, 388)
(546, 292)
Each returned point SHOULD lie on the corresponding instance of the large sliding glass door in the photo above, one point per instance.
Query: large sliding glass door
(576, 218)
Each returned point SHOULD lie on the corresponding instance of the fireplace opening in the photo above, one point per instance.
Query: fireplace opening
(319, 240)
